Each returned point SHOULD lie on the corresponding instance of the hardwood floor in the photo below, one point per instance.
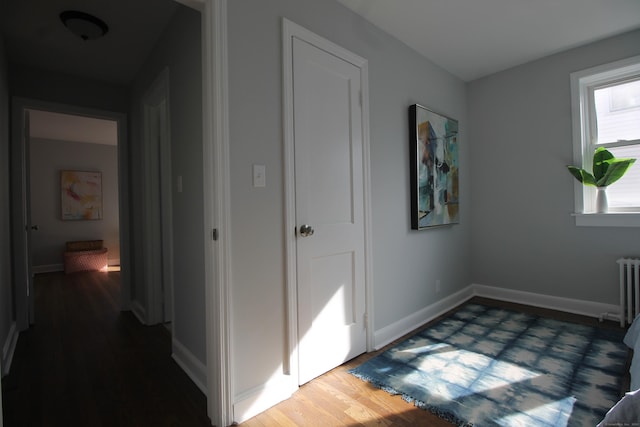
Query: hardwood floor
(85, 363)
(339, 399)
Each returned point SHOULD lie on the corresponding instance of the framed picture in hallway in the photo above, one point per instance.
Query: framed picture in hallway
(434, 168)
(81, 195)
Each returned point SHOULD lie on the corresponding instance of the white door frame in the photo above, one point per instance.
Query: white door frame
(24, 304)
(291, 30)
(158, 229)
(217, 208)
(217, 211)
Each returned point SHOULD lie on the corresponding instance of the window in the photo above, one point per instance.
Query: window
(606, 113)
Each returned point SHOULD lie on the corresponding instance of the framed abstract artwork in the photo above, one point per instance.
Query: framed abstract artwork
(434, 168)
(81, 195)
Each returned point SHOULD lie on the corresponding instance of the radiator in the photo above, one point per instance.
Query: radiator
(629, 289)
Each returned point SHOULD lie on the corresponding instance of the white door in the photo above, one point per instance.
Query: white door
(329, 209)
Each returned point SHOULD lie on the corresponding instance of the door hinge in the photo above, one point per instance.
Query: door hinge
(214, 234)
(360, 98)
(365, 317)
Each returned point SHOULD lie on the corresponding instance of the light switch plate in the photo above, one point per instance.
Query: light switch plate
(259, 176)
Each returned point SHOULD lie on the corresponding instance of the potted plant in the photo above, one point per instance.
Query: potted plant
(607, 169)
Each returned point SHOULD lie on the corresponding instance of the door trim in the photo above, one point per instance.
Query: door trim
(291, 30)
(217, 208)
(217, 212)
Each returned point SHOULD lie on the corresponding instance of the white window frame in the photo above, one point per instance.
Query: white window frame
(584, 128)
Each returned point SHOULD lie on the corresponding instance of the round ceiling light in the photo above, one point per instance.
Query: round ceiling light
(83, 25)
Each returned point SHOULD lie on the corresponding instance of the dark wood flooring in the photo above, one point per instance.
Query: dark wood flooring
(85, 363)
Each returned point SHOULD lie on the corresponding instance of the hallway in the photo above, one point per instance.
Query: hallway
(85, 363)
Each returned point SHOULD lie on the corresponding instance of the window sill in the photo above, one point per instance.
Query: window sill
(611, 219)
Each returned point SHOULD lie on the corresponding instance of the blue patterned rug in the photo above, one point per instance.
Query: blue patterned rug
(488, 366)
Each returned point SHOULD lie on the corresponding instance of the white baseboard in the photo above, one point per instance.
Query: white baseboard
(252, 402)
(9, 348)
(397, 329)
(48, 268)
(52, 268)
(569, 305)
(195, 369)
(138, 310)
(403, 326)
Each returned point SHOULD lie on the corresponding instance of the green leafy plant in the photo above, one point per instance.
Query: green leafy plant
(607, 169)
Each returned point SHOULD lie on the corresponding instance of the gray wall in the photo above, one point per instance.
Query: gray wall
(406, 263)
(179, 50)
(48, 158)
(524, 236)
(6, 295)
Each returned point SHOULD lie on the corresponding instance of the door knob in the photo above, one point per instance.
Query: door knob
(306, 230)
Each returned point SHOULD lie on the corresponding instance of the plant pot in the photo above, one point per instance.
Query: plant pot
(601, 200)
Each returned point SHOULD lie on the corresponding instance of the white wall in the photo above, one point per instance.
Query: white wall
(48, 158)
(6, 294)
(406, 263)
(524, 236)
(179, 49)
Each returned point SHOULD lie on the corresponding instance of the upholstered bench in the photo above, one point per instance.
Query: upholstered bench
(85, 255)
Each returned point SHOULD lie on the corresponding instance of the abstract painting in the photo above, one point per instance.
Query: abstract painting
(434, 168)
(81, 195)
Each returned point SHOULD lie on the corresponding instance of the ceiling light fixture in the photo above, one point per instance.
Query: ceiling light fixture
(83, 25)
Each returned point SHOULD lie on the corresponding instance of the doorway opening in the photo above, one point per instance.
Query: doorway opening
(73, 164)
(57, 139)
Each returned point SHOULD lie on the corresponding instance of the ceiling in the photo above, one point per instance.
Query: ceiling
(475, 38)
(469, 38)
(35, 35)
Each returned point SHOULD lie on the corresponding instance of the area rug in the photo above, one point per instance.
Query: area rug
(486, 366)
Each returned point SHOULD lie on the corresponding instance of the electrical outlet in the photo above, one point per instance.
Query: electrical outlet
(438, 286)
